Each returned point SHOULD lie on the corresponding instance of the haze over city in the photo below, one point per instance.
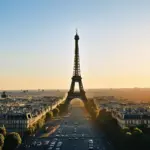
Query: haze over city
(37, 43)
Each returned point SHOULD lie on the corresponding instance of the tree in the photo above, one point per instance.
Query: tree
(96, 113)
(92, 108)
(104, 116)
(30, 131)
(49, 115)
(3, 131)
(56, 111)
(126, 130)
(40, 124)
(43, 118)
(63, 108)
(1, 140)
(128, 133)
(4, 95)
(137, 132)
(12, 141)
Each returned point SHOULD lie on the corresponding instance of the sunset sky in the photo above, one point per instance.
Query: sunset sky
(37, 43)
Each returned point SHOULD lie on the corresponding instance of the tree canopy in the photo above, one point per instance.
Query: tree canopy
(56, 111)
(30, 130)
(49, 115)
(126, 130)
(12, 141)
(40, 124)
(137, 131)
(92, 108)
(1, 140)
(4, 95)
(3, 131)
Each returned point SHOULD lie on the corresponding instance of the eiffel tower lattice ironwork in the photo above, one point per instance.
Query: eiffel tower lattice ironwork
(76, 78)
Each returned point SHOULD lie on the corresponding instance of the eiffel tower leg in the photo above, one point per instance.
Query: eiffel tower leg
(72, 86)
(80, 86)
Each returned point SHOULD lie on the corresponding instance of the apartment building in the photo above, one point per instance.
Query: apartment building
(19, 113)
(15, 122)
(132, 118)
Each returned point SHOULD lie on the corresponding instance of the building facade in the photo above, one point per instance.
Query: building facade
(16, 122)
(126, 119)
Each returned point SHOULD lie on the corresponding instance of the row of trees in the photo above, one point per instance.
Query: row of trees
(63, 108)
(122, 139)
(92, 108)
(40, 123)
(9, 141)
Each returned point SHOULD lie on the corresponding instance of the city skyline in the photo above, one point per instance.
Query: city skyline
(37, 44)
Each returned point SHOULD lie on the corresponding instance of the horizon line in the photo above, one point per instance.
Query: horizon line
(67, 89)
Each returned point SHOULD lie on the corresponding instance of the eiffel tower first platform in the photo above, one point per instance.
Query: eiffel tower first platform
(76, 78)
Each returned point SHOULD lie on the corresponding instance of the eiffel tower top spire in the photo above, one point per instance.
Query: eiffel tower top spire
(76, 37)
(76, 31)
(76, 70)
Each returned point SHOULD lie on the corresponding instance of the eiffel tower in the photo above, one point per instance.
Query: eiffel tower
(76, 78)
